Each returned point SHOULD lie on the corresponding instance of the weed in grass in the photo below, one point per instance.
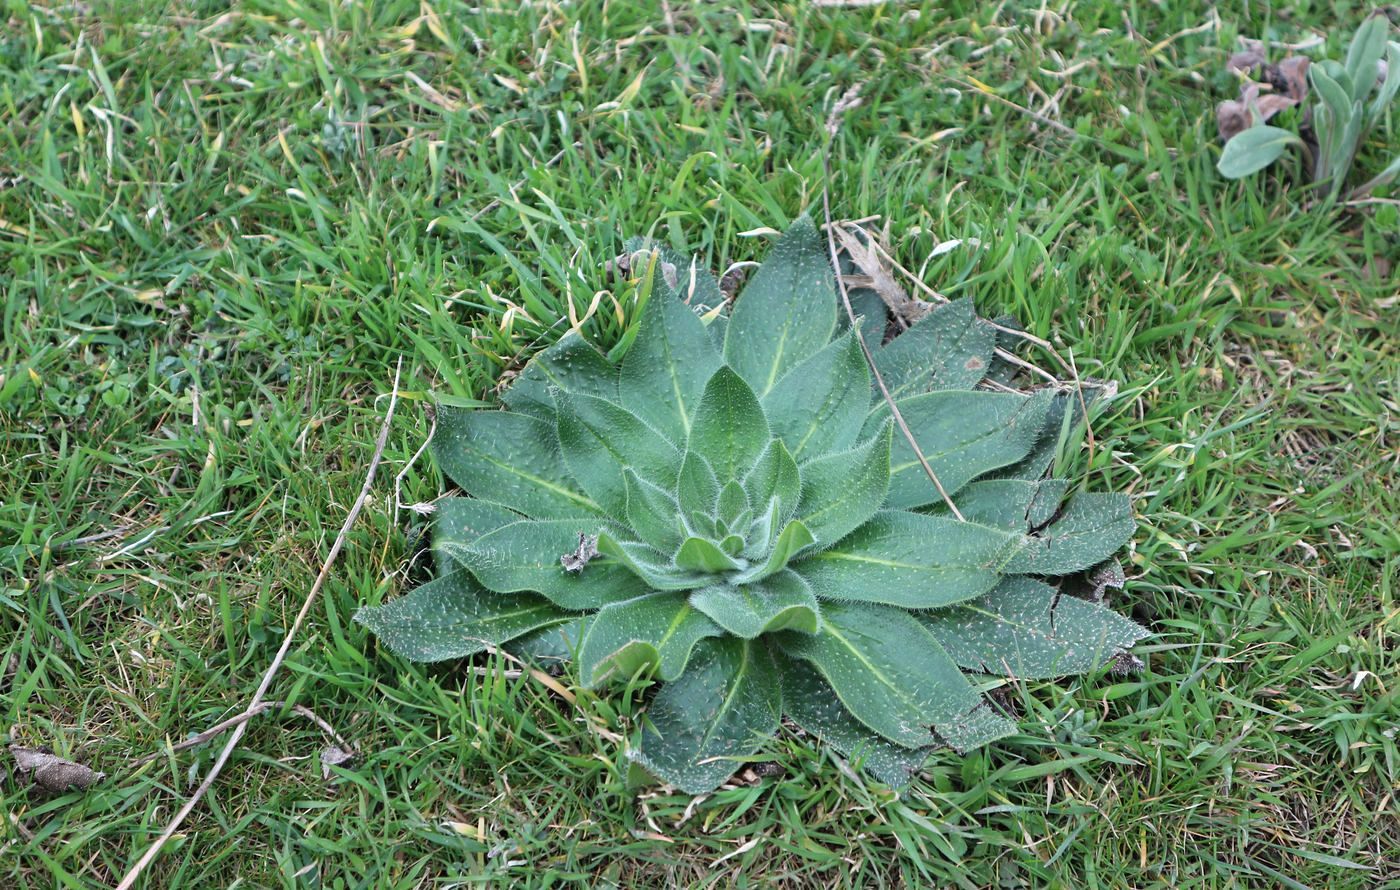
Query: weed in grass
(206, 396)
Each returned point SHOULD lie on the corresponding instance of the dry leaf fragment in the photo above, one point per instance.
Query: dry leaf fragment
(53, 773)
(586, 550)
(334, 756)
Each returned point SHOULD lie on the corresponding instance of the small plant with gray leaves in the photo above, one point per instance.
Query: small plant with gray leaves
(724, 503)
(1352, 98)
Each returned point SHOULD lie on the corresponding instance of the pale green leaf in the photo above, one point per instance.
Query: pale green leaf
(665, 369)
(819, 406)
(700, 555)
(722, 709)
(729, 429)
(571, 366)
(841, 491)
(791, 540)
(652, 514)
(655, 569)
(525, 556)
(1366, 48)
(1254, 149)
(657, 629)
(600, 440)
(463, 520)
(786, 312)
(509, 459)
(1092, 527)
(810, 702)
(1027, 629)
(910, 560)
(962, 434)
(781, 602)
(775, 476)
(453, 617)
(949, 348)
(893, 676)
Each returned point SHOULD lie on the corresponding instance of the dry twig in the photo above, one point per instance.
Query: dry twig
(129, 879)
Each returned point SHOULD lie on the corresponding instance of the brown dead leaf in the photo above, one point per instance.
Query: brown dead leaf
(1245, 61)
(53, 773)
(877, 277)
(1250, 109)
(334, 756)
(1289, 77)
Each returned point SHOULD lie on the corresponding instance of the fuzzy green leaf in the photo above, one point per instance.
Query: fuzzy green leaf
(1090, 530)
(600, 440)
(775, 476)
(910, 560)
(962, 435)
(652, 514)
(1027, 629)
(654, 568)
(812, 704)
(700, 555)
(722, 709)
(509, 459)
(656, 628)
(1365, 50)
(841, 491)
(1251, 150)
(786, 312)
(453, 617)
(463, 520)
(893, 676)
(697, 490)
(664, 371)
(524, 556)
(733, 502)
(791, 540)
(949, 348)
(781, 602)
(819, 405)
(1012, 504)
(729, 429)
(550, 647)
(571, 366)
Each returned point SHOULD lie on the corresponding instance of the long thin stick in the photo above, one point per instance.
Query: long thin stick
(235, 720)
(869, 358)
(130, 878)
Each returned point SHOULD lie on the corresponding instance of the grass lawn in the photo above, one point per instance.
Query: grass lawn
(220, 230)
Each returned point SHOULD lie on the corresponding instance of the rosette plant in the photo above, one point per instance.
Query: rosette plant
(725, 502)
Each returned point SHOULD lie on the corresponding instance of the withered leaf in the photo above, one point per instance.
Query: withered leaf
(586, 550)
(53, 773)
(334, 756)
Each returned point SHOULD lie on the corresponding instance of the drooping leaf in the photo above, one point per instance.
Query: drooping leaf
(525, 556)
(910, 560)
(841, 491)
(664, 371)
(962, 435)
(1091, 528)
(812, 704)
(722, 709)
(1025, 628)
(509, 459)
(1253, 150)
(729, 429)
(893, 676)
(781, 602)
(819, 406)
(571, 366)
(452, 617)
(949, 348)
(601, 440)
(655, 628)
(786, 312)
